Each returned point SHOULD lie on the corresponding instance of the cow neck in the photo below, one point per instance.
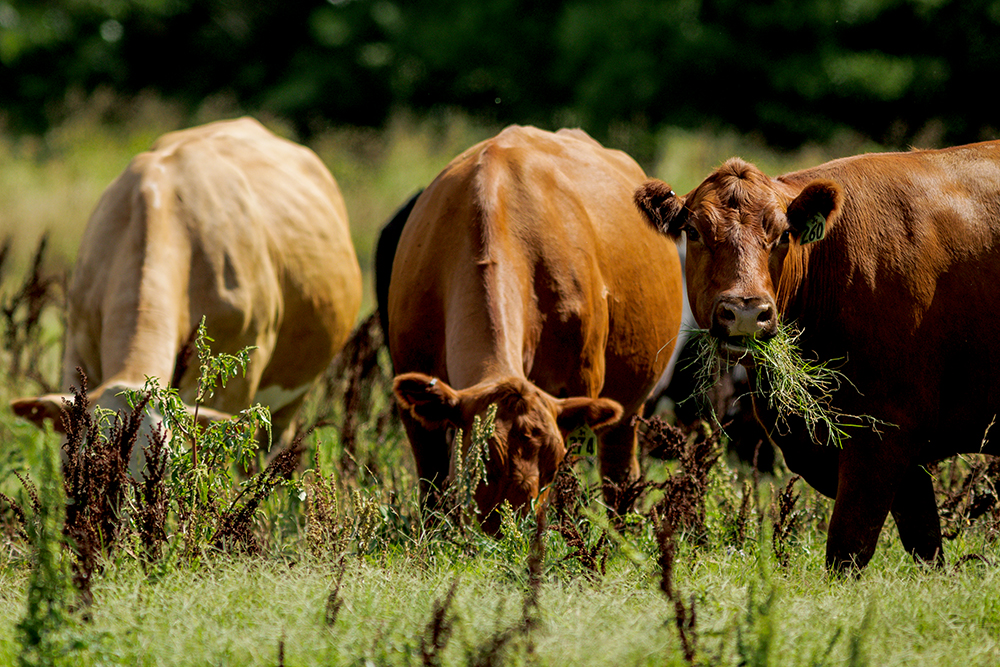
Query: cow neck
(145, 313)
(793, 270)
(814, 276)
(501, 349)
(495, 305)
(798, 291)
(811, 287)
(489, 342)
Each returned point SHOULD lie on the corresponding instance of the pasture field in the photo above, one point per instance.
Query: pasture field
(719, 565)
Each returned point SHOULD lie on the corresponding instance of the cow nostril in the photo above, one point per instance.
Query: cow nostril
(764, 316)
(727, 314)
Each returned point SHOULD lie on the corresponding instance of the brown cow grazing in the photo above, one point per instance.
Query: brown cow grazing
(523, 279)
(225, 221)
(887, 262)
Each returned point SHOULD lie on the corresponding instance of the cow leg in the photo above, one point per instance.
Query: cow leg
(619, 464)
(865, 489)
(915, 511)
(432, 456)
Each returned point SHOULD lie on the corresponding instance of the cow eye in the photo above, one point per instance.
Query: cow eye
(785, 237)
(692, 234)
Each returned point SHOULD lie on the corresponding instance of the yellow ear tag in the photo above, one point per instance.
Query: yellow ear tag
(584, 439)
(814, 229)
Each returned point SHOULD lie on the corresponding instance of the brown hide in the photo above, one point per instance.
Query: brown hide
(225, 221)
(525, 277)
(900, 290)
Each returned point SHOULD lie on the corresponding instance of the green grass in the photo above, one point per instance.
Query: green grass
(228, 609)
(789, 384)
(237, 612)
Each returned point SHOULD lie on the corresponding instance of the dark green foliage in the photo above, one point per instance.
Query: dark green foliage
(792, 72)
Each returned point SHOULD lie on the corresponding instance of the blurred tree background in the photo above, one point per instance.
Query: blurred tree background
(790, 71)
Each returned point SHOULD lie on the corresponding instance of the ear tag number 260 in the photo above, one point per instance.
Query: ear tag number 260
(814, 229)
(583, 439)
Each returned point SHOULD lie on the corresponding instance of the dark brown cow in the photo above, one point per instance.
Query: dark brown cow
(889, 262)
(525, 278)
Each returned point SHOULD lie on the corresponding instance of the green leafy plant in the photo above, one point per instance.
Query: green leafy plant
(202, 462)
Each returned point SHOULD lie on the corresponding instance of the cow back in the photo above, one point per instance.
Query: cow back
(526, 257)
(225, 221)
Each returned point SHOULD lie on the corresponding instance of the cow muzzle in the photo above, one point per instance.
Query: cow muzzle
(736, 318)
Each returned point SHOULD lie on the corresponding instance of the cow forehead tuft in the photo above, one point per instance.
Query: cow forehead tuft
(513, 396)
(738, 184)
(736, 192)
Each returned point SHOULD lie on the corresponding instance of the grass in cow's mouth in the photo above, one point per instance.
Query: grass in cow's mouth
(791, 385)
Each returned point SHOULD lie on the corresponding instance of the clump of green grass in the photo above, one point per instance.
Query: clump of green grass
(792, 385)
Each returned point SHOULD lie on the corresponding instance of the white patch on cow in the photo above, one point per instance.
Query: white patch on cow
(154, 194)
(153, 188)
(276, 397)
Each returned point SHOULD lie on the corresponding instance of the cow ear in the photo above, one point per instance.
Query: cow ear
(593, 412)
(39, 408)
(429, 400)
(661, 207)
(812, 213)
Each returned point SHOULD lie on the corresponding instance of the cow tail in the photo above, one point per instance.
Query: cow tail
(385, 253)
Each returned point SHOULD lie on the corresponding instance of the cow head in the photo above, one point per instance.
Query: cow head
(741, 227)
(529, 438)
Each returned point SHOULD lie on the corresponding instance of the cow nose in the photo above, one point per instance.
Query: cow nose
(745, 316)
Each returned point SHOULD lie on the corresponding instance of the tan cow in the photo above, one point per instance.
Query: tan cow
(522, 278)
(225, 221)
(888, 262)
